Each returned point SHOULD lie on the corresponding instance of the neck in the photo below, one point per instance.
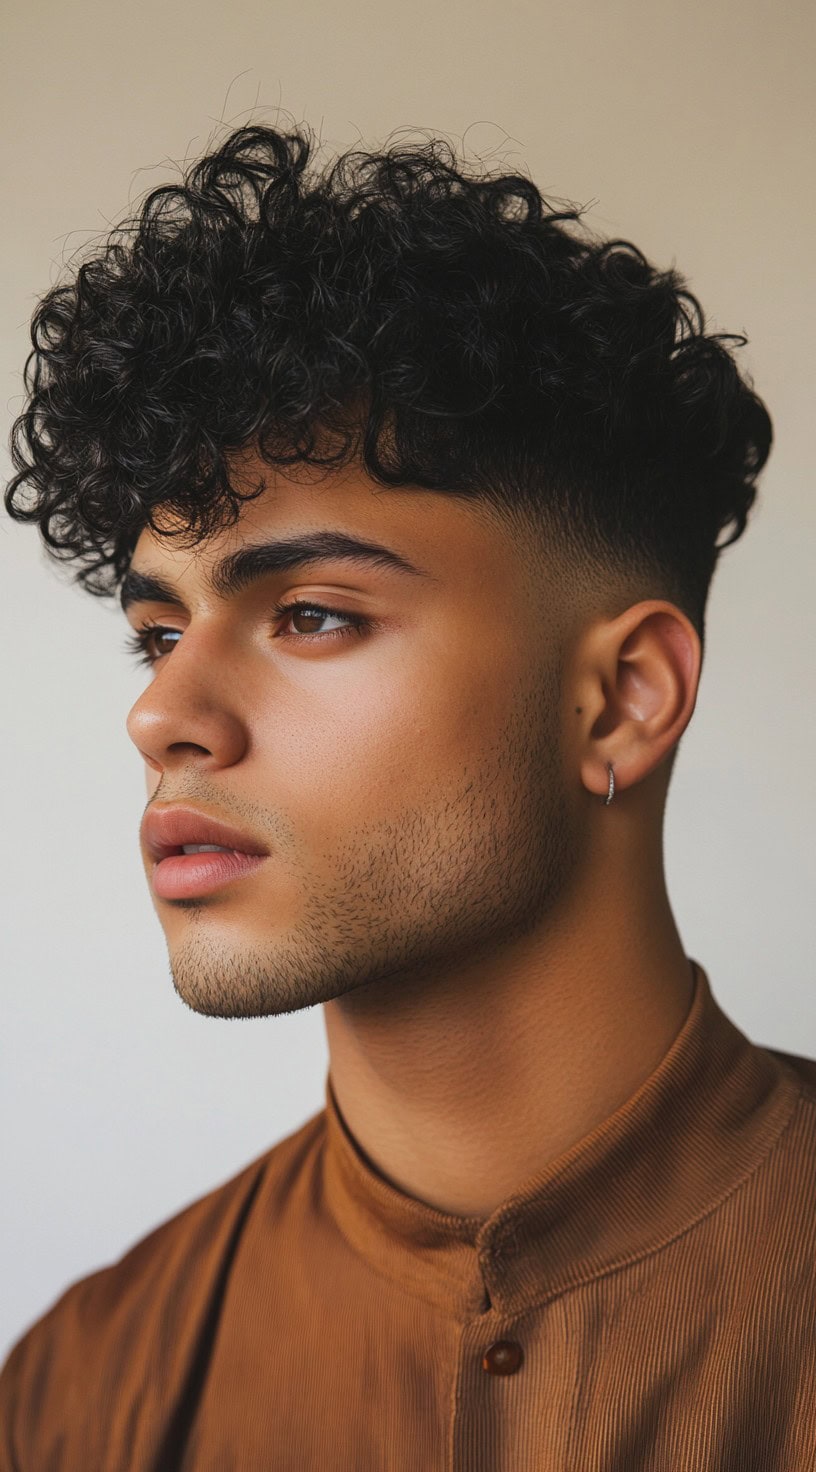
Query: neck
(458, 1086)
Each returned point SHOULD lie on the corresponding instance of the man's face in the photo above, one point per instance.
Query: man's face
(407, 779)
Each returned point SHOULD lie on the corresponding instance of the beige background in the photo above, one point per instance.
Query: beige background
(688, 127)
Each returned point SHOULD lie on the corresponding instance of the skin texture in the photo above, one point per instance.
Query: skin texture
(493, 946)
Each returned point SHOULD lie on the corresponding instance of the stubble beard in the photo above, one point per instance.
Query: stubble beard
(413, 896)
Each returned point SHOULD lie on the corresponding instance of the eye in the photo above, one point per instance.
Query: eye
(299, 608)
(141, 644)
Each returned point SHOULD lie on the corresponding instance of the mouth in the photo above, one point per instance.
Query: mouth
(188, 849)
(195, 852)
(180, 875)
(176, 830)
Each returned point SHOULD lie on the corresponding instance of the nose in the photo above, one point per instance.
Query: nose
(190, 711)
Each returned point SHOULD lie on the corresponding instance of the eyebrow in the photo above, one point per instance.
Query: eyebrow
(239, 569)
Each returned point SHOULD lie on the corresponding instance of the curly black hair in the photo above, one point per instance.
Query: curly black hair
(443, 326)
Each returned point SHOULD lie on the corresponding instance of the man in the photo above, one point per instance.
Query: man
(411, 494)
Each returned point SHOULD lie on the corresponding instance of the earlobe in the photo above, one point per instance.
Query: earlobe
(607, 796)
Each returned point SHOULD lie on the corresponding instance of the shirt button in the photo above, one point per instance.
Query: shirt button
(503, 1357)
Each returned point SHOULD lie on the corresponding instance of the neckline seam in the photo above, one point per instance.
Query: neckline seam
(795, 1096)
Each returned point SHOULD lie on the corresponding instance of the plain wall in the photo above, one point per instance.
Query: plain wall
(685, 127)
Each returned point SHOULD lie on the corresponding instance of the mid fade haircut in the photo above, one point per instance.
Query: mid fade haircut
(448, 329)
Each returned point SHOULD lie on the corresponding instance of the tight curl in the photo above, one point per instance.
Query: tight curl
(445, 328)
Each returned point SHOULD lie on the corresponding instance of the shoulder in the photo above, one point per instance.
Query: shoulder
(786, 1180)
(804, 1069)
(792, 1163)
(110, 1329)
(773, 1232)
(781, 1201)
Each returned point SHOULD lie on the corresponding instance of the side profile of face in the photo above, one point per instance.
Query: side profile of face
(405, 759)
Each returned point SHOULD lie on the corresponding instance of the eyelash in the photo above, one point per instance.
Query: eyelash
(137, 643)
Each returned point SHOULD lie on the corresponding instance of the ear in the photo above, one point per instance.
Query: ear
(636, 691)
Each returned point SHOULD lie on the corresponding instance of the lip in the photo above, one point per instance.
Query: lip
(184, 876)
(165, 830)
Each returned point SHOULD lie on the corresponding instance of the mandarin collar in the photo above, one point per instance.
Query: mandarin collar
(697, 1125)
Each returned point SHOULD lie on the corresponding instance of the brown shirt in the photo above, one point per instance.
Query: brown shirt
(647, 1301)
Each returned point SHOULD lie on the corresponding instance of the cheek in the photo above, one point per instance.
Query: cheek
(385, 736)
(356, 754)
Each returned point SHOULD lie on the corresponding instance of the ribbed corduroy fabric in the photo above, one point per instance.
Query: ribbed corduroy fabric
(645, 1303)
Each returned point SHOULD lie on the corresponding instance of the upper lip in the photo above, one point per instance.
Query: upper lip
(166, 830)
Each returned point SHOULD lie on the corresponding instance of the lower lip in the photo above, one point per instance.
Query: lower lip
(183, 876)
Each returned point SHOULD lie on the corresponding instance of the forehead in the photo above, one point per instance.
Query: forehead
(444, 534)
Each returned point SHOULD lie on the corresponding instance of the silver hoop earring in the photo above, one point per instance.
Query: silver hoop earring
(611, 793)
